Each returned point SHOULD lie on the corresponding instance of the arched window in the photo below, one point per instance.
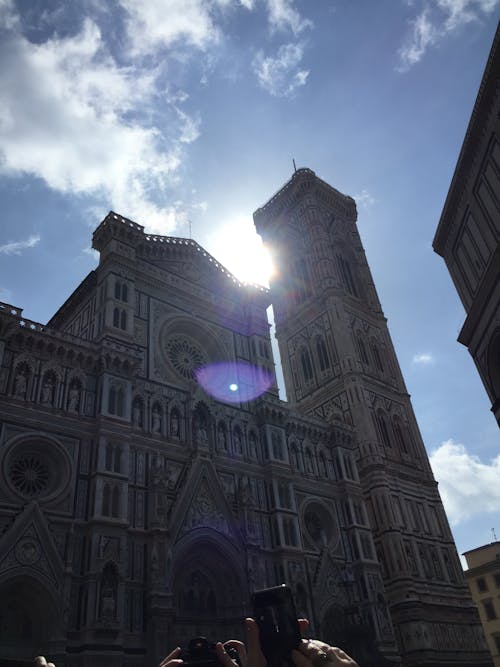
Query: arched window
(123, 320)
(116, 318)
(118, 459)
(120, 400)
(108, 463)
(324, 361)
(346, 275)
(362, 350)
(124, 293)
(398, 434)
(117, 290)
(377, 357)
(106, 500)
(115, 502)
(384, 431)
(112, 401)
(307, 368)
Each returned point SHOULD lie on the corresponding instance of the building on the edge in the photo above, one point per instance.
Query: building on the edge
(468, 235)
(483, 577)
(152, 477)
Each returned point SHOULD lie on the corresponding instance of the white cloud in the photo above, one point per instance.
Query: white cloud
(16, 247)
(423, 358)
(156, 23)
(281, 76)
(365, 199)
(467, 485)
(284, 16)
(70, 115)
(423, 35)
(436, 21)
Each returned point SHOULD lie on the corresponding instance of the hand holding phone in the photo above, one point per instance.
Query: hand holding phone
(276, 618)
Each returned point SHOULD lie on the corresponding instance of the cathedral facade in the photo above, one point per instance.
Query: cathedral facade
(151, 477)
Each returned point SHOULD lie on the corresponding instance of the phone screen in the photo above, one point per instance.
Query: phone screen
(274, 612)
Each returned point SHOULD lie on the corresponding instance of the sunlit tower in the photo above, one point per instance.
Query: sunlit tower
(326, 308)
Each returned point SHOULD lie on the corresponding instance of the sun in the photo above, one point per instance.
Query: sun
(239, 248)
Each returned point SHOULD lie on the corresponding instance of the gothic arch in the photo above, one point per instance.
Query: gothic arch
(217, 560)
(30, 613)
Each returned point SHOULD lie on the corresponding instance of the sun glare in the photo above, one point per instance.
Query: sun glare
(240, 249)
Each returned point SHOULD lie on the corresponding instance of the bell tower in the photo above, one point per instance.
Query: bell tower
(339, 364)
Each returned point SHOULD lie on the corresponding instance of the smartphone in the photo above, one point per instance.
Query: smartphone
(274, 612)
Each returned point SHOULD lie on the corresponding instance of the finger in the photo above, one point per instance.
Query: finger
(39, 661)
(171, 656)
(254, 652)
(224, 658)
(50, 664)
(300, 660)
(303, 625)
(240, 648)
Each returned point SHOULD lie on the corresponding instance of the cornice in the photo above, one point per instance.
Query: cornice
(482, 111)
(303, 182)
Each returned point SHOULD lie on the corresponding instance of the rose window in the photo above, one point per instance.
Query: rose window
(36, 467)
(30, 475)
(185, 356)
(321, 527)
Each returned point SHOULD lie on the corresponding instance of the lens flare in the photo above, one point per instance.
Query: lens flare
(234, 382)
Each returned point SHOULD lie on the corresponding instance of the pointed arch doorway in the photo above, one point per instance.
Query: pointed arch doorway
(28, 621)
(210, 592)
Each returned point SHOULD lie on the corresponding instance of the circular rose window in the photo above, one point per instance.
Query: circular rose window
(36, 468)
(320, 525)
(185, 356)
(29, 474)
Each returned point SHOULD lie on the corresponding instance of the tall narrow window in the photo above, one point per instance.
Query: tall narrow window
(362, 351)
(324, 361)
(120, 400)
(115, 502)
(112, 401)
(124, 293)
(346, 275)
(123, 320)
(116, 317)
(384, 432)
(398, 433)
(106, 500)
(117, 290)
(377, 357)
(108, 464)
(307, 369)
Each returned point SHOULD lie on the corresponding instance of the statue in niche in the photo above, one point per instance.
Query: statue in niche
(174, 424)
(221, 438)
(109, 585)
(108, 603)
(74, 398)
(238, 445)
(252, 445)
(48, 391)
(137, 415)
(156, 420)
(20, 384)
(201, 432)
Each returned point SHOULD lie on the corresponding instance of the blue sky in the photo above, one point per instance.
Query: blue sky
(171, 111)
